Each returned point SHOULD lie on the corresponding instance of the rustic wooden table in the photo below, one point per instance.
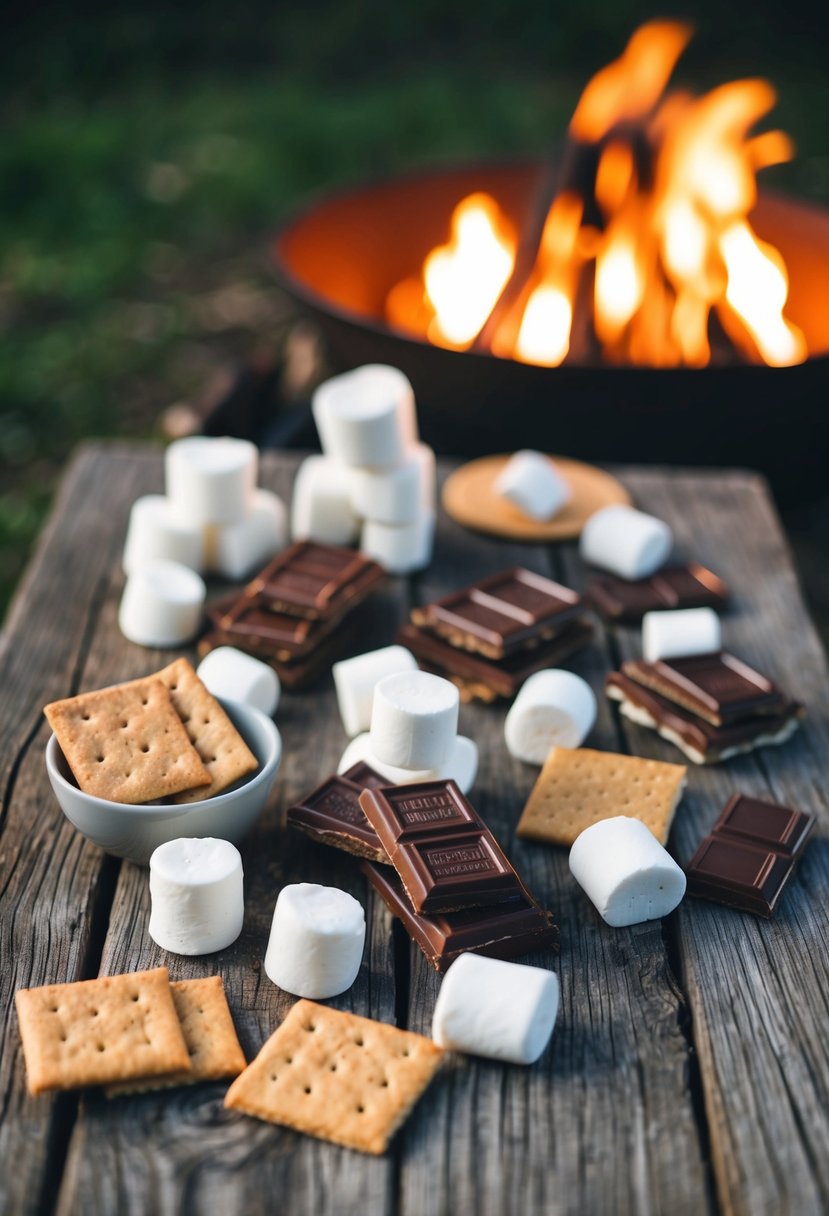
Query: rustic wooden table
(689, 1072)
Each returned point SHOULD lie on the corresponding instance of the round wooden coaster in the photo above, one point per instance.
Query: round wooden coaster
(469, 496)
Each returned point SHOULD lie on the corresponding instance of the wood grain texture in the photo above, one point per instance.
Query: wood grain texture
(605, 1121)
(689, 1070)
(181, 1151)
(51, 880)
(758, 990)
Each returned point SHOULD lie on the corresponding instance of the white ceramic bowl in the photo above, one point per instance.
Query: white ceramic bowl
(134, 832)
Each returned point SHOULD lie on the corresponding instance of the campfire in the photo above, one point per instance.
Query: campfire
(639, 247)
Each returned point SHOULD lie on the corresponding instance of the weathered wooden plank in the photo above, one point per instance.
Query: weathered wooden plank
(181, 1151)
(758, 991)
(51, 881)
(605, 1122)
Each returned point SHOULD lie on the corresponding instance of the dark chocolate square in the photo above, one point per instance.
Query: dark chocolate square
(685, 586)
(733, 872)
(450, 874)
(411, 811)
(765, 824)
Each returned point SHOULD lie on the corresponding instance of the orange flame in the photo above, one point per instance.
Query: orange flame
(667, 246)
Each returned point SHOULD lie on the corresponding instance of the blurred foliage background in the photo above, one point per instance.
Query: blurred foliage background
(148, 150)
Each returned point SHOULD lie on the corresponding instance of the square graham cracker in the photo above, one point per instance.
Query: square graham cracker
(578, 787)
(127, 743)
(337, 1076)
(97, 1032)
(209, 1033)
(221, 748)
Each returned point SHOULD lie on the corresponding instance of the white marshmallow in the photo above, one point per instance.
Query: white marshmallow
(155, 534)
(414, 719)
(461, 766)
(366, 417)
(668, 635)
(321, 505)
(211, 481)
(197, 895)
(531, 482)
(162, 604)
(626, 542)
(399, 495)
(553, 709)
(400, 548)
(316, 943)
(235, 550)
(487, 1007)
(235, 676)
(355, 680)
(624, 870)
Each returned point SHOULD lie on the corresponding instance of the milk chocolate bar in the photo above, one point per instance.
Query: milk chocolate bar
(331, 814)
(315, 581)
(501, 614)
(718, 687)
(505, 930)
(701, 742)
(686, 586)
(750, 855)
(446, 856)
(482, 679)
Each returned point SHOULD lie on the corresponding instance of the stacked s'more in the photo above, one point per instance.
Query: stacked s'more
(375, 482)
(488, 638)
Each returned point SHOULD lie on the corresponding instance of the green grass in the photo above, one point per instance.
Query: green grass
(135, 218)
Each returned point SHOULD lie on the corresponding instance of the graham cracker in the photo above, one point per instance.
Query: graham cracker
(337, 1076)
(115, 1028)
(207, 1026)
(578, 787)
(221, 748)
(127, 743)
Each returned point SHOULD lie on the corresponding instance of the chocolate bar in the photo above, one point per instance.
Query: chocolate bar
(505, 930)
(272, 635)
(779, 827)
(331, 814)
(687, 586)
(298, 674)
(315, 581)
(718, 687)
(363, 774)
(501, 614)
(699, 740)
(749, 855)
(479, 678)
(446, 856)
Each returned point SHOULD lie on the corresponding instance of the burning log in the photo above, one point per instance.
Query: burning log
(637, 249)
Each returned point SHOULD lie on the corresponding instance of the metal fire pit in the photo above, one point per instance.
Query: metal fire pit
(339, 258)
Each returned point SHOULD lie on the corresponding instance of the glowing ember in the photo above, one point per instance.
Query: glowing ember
(649, 229)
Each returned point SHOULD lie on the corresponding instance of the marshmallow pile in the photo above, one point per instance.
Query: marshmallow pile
(533, 484)
(374, 483)
(413, 733)
(212, 518)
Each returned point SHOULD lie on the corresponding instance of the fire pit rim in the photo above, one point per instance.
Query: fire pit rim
(309, 298)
